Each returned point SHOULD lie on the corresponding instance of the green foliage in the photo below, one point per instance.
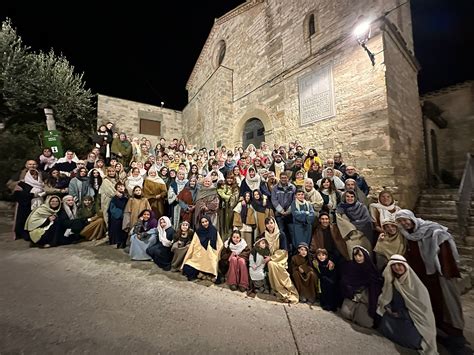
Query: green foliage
(29, 82)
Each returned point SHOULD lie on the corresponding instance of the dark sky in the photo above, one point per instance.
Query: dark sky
(146, 53)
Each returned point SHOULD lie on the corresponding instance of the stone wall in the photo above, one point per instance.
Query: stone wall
(268, 49)
(457, 139)
(126, 115)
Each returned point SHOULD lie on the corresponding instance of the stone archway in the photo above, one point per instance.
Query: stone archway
(253, 133)
(254, 113)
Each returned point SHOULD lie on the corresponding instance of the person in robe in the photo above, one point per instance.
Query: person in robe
(405, 308)
(328, 282)
(106, 192)
(95, 180)
(361, 285)
(277, 263)
(206, 203)
(143, 235)
(103, 139)
(303, 218)
(233, 262)
(136, 204)
(154, 189)
(79, 186)
(244, 218)
(251, 182)
(186, 199)
(351, 184)
(122, 149)
(357, 214)
(329, 173)
(228, 192)
(135, 179)
(263, 209)
(330, 197)
(303, 275)
(70, 224)
(160, 248)
(312, 195)
(258, 272)
(390, 242)
(56, 184)
(431, 252)
(278, 165)
(174, 190)
(121, 175)
(67, 164)
(115, 212)
(181, 241)
(95, 228)
(42, 223)
(201, 259)
(383, 210)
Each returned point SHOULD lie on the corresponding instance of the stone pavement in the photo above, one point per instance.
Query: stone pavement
(86, 299)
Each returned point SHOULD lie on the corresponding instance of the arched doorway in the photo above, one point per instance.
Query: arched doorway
(254, 132)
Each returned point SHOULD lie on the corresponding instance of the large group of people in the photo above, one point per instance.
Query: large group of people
(275, 220)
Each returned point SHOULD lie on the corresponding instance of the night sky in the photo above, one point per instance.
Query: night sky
(146, 53)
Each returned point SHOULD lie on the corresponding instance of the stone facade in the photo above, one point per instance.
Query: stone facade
(126, 116)
(451, 120)
(377, 123)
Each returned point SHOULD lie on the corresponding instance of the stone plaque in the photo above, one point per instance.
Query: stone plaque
(316, 95)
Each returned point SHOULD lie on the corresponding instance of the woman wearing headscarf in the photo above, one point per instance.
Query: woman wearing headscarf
(277, 263)
(181, 241)
(122, 149)
(56, 184)
(95, 228)
(329, 173)
(79, 186)
(102, 139)
(207, 203)
(42, 223)
(154, 189)
(357, 214)
(121, 175)
(201, 260)
(390, 242)
(405, 307)
(263, 209)
(143, 235)
(251, 182)
(160, 247)
(432, 253)
(175, 188)
(361, 286)
(312, 195)
(135, 179)
(383, 210)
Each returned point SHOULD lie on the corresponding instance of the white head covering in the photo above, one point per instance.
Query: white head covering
(162, 232)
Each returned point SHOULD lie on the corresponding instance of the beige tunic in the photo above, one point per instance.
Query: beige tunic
(204, 260)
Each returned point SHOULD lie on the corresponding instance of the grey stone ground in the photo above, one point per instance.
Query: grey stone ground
(86, 299)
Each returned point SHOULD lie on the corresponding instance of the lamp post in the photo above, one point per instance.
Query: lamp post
(362, 33)
(51, 138)
(50, 122)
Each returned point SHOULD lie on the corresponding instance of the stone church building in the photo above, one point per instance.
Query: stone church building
(279, 70)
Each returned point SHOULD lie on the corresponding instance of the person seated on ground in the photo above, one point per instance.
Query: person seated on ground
(277, 263)
(69, 223)
(181, 241)
(143, 235)
(405, 308)
(328, 283)
(361, 286)
(390, 242)
(233, 262)
(303, 219)
(383, 210)
(42, 223)
(201, 260)
(116, 210)
(95, 228)
(351, 173)
(357, 214)
(160, 248)
(258, 271)
(431, 252)
(244, 218)
(303, 275)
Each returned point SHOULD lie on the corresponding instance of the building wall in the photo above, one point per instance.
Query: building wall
(126, 116)
(457, 139)
(268, 50)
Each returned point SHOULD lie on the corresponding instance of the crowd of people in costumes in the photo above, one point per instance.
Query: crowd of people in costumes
(261, 220)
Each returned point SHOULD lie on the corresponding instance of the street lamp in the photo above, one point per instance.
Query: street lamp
(362, 32)
(50, 122)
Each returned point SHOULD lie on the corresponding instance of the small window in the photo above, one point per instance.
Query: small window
(221, 53)
(150, 127)
(311, 25)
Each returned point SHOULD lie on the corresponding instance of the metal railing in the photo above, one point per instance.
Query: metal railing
(465, 194)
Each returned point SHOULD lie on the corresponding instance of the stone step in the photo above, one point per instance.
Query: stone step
(444, 197)
(440, 218)
(435, 203)
(440, 191)
(450, 210)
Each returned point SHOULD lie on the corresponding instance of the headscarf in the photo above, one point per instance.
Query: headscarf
(70, 211)
(236, 248)
(273, 239)
(257, 205)
(151, 223)
(162, 232)
(37, 218)
(385, 212)
(365, 275)
(37, 185)
(357, 213)
(417, 301)
(361, 197)
(429, 235)
(157, 179)
(207, 235)
(253, 183)
(390, 244)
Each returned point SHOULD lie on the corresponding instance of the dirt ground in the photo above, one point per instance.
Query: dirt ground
(93, 299)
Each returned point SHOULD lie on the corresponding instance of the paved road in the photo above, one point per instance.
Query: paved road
(86, 299)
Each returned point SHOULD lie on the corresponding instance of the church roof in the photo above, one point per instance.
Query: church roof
(447, 90)
(219, 21)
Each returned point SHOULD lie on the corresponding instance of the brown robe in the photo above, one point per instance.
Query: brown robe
(152, 189)
(187, 197)
(317, 241)
(306, 282)
(133, 208)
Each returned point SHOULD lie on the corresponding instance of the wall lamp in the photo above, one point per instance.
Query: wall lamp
(362, 33)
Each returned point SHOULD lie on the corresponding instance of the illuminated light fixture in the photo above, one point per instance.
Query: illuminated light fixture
(362, 32)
